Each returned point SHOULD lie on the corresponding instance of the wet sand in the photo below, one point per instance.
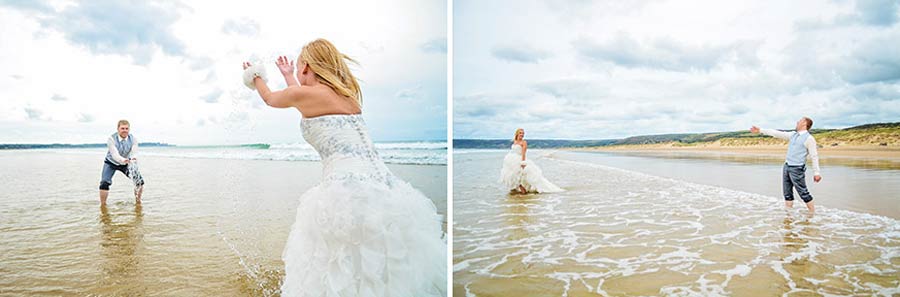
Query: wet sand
(207, 227)
(622, 233)
(858, 184)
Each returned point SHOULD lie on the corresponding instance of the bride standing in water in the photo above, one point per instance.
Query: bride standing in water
(361, 231)
(522, 175)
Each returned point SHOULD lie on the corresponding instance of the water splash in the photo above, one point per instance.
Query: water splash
(135, 175)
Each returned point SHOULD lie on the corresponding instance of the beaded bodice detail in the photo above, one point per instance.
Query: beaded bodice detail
(345, 147)
(515, 149)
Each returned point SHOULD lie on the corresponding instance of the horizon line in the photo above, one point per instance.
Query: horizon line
(189, 145)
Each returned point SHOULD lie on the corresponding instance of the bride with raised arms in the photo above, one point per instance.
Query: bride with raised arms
(361, 231)
(520, 174)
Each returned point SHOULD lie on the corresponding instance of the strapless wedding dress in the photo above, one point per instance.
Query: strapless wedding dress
(361, 231)
(512, 174)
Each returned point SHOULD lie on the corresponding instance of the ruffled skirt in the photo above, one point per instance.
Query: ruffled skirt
(531, 177)
(365, 237)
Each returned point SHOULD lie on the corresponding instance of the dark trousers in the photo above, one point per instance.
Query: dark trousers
(108, 170)
(794, 177)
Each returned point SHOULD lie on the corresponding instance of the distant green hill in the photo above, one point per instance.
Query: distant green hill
(532, 143)
(880, 134)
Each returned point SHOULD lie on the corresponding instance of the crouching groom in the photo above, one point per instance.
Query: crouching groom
(122, 149)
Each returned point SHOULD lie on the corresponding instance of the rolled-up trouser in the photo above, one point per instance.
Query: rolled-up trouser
(794, 177)
(108, 170)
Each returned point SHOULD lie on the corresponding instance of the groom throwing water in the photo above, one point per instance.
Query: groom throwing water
(122, 148)
(800, 145)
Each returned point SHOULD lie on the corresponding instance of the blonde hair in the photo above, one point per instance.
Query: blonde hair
(516, 136)
(328, 64)
(121, 123)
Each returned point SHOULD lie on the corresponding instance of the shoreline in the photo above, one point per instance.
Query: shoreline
(868, 152)
(154, 155)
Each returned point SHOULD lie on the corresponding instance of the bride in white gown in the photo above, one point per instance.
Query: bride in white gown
(361, 231)
(523, 175)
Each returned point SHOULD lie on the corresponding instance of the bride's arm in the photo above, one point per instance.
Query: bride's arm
(524, 148)
(279, 99)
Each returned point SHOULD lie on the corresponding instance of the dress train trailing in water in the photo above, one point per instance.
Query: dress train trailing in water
(531, 178)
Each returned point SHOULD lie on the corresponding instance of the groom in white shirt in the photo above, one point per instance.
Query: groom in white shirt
(800, 145)
(121, 150)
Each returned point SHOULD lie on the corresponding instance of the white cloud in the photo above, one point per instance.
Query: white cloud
(662, 53)
(410, 94)
(521, 53)
(173, 68)
(438, 45)
(241, 26)
(213, 96)
(611, 69)
(85, 118)
(33, 114)
(134, 28)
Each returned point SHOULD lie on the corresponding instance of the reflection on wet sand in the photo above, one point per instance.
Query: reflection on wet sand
(121, 238)
(198, 234)
(798, 265)
(517, 215)
(862, 185)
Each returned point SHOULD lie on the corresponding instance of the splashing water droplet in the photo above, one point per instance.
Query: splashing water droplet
(135, 175)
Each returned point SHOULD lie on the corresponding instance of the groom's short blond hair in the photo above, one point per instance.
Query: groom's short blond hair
(808, 123)
(121, 123)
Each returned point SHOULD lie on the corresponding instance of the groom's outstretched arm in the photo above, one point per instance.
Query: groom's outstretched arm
(771, 132)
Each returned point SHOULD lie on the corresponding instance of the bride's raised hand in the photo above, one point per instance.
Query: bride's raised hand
(285, 65)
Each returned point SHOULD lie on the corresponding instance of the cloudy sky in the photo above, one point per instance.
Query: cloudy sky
(611, 69)
(70, 69)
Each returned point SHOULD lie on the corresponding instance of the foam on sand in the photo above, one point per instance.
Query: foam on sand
(620, 232)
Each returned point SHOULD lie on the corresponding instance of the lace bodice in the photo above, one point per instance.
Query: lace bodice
(343, 143)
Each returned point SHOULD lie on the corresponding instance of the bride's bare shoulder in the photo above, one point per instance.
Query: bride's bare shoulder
(306, 95)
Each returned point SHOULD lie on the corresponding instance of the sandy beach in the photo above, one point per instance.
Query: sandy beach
(207, 227)
(620, 232)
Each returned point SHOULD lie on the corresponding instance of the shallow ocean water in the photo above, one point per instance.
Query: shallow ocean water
(206, 227)
(617, 232)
